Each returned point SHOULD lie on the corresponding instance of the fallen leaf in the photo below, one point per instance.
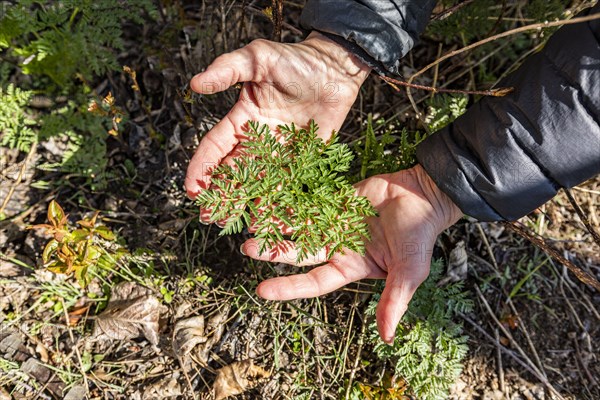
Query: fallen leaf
(458, 264)
(237, 378)
(166, 388)
(187, 334)
(214, 331)
(132, 312)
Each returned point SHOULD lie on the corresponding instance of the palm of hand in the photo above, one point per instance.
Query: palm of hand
(281, 81)
(402, 239)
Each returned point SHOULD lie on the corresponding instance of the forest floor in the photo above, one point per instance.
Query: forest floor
(533, 333)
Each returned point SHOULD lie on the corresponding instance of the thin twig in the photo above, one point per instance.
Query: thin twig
(499, 358)
(582, 275)
(511, 354)
(499, 92)
(515, 31)
(361, 341)
(277, 17)
(582, 216)
(452, 10)
(532, 367)
(75, 348)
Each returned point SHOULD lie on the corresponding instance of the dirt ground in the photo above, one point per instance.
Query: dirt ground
(532, 335)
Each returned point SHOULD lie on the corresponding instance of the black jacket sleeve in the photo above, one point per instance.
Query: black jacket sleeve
(380, 32)
(506, 156)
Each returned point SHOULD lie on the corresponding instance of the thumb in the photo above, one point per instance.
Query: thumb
(227, 70)
(400, 286)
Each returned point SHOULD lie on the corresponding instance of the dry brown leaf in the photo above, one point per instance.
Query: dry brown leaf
(237, 378)
(187, 334)
(164, 389)
(458, 265)
(132, 312)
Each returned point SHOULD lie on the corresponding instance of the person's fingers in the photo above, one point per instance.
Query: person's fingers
(400, 286)
(227, 70)
(317, 282)
(286, 252)
(214, 146)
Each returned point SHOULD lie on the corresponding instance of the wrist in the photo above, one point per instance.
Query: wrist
(340, 57)
(445, 212)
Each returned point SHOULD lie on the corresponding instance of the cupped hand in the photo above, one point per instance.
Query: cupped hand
(412, 212)
(315, 79)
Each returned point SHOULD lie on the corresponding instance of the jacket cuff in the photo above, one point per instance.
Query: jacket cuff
(383, 30)
(488, 176)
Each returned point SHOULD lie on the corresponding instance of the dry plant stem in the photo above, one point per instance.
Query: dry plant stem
(277, 10)
(532, 367)
(75, 348)
(499, 92)
(509, 301)
(361, 341)
(260, 13)
(582, 275)
(500, 368)
(583, 217)
(505, 34)
(514, 356)
(447, 13)
(523, 328)
(19, 177)
(488, 247)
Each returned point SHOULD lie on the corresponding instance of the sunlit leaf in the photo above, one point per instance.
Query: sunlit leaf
(56, 214)
(50, 248)
(105, 232)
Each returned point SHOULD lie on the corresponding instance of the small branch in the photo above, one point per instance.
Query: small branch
(514, 356)
(500, 92)
(522, 29)
(277, 12)
(539, 374)
(452, 10)
(583, 217)
(582, 275)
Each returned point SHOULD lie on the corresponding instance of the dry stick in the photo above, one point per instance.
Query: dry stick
(446, 13)
(75, 348)
(19, 177)
(500, 368)
(510, 302)
(499, 92)
(514, 356)
(361, 341)
(277, 13)
(487, 40)
(582, 216)
(532, 367)
(582, 275)
(505, 34)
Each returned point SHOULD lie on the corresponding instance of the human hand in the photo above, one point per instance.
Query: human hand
(315, 79)
(412, 212)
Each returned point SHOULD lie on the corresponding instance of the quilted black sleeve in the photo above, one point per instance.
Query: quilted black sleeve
(380, 32)
(506, 156)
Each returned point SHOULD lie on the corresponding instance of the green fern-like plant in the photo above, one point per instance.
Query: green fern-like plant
(16, 124)
(444, 109)
(291, 177)
(392, 151)
(429, 346)
(62, 39)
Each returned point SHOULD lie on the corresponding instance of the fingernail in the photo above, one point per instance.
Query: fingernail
(242, 250)
(389, 340)
(203, 222)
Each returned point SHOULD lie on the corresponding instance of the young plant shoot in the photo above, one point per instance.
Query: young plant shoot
(290, 179)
